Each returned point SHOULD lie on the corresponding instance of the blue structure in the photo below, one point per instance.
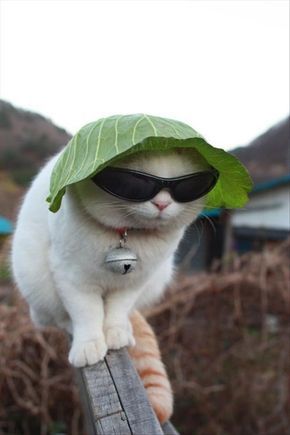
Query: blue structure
(6, 226)
(276, 182)
(259, 187)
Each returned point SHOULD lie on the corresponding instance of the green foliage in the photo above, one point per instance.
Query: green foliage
(23, 177)
(5, 274)
(58, 428)
(20, 166)
(11, 158)
(23, 163)
(38, 148)
(5, 121)
(100, 143)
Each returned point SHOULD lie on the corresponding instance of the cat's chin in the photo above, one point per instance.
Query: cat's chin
(163, 220)
(156, 223)
(115, 221)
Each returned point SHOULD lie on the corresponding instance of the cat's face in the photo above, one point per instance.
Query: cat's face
(158, 212)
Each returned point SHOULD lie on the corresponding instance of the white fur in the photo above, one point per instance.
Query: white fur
(58, 259)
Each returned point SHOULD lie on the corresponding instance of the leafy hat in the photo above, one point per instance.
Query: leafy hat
(100, 143)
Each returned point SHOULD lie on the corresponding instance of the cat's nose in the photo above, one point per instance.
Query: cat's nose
(161, 204)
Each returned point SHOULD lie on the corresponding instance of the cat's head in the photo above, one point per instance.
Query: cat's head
(160, 211)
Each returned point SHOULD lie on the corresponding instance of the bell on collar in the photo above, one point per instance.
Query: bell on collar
(121, 260)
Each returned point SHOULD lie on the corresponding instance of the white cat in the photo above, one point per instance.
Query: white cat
(58, 259)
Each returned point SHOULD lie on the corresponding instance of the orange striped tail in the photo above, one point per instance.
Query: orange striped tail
(147, 360)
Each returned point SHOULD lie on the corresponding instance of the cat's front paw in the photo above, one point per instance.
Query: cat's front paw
(85, 353)
(118, 336)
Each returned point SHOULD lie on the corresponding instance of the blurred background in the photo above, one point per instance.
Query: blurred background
(223, 68)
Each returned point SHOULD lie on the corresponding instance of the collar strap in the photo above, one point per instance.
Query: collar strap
(121, 231)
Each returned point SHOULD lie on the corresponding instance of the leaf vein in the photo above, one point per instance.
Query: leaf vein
(116, 133)
(152, 124)
(173, 128)
(74, 143)
(135, 127)
(99, 141)
(87, 149)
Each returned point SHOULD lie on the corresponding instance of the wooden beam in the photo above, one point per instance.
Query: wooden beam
(169, 429)
(115, 401)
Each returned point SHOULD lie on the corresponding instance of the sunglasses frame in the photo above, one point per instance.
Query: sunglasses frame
(161, 182)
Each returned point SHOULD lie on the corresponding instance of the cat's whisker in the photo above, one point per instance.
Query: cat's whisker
(200, 231)
(112, 205)
(209, 220)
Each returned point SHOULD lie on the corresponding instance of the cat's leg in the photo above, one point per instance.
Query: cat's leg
(87, 313)
(117, 326)
(84, 304)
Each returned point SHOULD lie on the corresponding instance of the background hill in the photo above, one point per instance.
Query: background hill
(27, 139)
(267, 156)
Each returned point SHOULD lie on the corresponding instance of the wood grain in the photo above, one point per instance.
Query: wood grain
(115, 401)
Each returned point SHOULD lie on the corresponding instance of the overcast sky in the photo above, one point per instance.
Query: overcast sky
(221, 66)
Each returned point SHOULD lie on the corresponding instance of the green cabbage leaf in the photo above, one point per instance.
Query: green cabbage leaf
(107, 140)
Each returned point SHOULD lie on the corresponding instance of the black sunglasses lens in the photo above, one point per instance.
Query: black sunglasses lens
(194, 187)
(129, 186)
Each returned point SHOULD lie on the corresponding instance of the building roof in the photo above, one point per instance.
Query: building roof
(6, 226)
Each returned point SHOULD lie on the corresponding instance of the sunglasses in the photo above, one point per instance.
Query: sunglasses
(138, 186)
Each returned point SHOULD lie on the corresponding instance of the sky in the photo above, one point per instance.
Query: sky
(221, 66)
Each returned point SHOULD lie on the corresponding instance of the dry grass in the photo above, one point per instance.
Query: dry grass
(224, 338)
(37, 390)
(226, 341)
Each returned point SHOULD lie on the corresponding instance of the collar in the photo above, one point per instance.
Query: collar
(122, 231)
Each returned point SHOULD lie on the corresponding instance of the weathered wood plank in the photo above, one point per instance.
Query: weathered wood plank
(169, 429)
(113, 425)
(132, 395)
(115, 401)
(104, 399)
(104, 413)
